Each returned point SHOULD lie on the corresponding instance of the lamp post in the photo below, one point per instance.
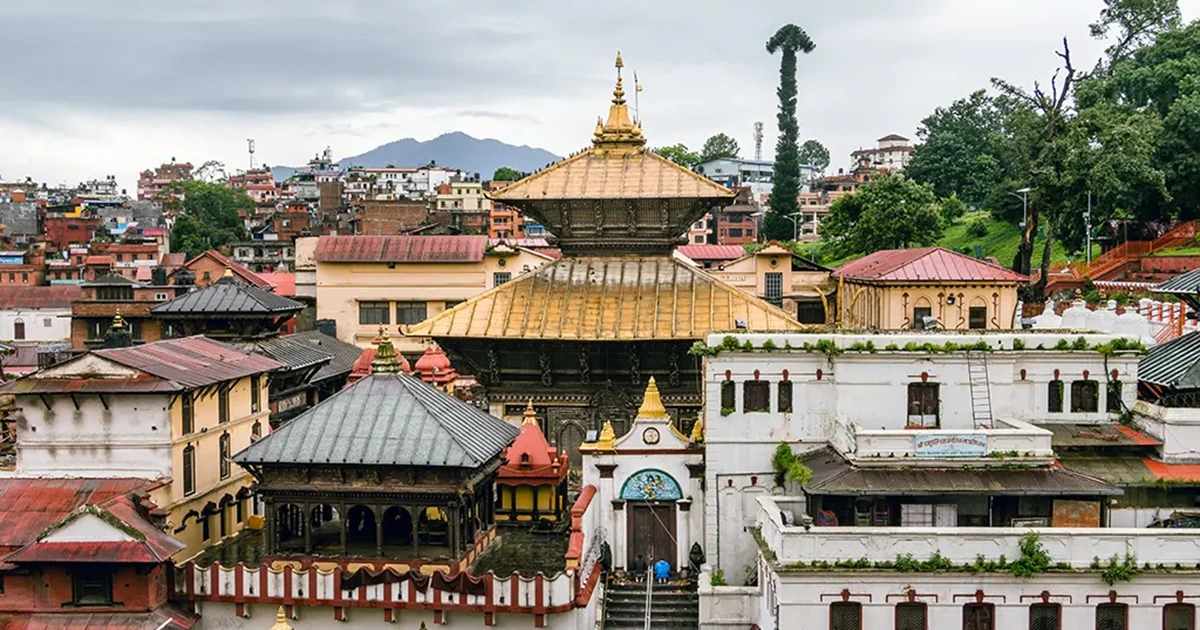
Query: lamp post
(795, 225)
(1023, 194)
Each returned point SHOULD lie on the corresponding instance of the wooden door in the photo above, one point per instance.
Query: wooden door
(651, 533)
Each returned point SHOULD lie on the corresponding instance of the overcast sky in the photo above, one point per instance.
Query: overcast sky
(96, 87)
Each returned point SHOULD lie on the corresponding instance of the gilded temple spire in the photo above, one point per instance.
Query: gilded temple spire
(619, 132)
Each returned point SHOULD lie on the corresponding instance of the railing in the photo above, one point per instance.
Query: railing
(1125, 253)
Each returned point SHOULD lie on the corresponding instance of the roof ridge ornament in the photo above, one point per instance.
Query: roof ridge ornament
(652, 405)
(385, 361)
(530, 414)
(619, 132)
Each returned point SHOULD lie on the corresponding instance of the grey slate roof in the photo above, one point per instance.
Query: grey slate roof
(113, 279)
(344, 354)
(1173, 364)
(293, 353)
(1183, 284)
(228, 298)
(389, 420)
(19, 218)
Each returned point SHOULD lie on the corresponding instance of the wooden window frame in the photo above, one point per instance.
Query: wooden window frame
(374, 307)
(1112, 396)
(1190, 607)
(255, 394)
(856, 605)
(1056, 392)
(1112, 606)
(101, 574)
(189, 470)
(728, 395)
(1081, 383)
(924, 613)
(972, 311)
(785, 396)
(979, 605)
(937, 396)
(762, 390)
(1047, 605)
(224, 451)
(187, 410)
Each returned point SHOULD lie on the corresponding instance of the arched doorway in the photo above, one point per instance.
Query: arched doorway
(397, 527)
(326, 525)
(289, 527)
(650, 495)
(362, 526)
(570, 438)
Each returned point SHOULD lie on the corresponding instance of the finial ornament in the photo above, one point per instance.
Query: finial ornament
(620, 63)
(281, 620)
(652, 405)
(530, 414)
(619, 132)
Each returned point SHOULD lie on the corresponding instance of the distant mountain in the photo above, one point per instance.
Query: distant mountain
(452, 150)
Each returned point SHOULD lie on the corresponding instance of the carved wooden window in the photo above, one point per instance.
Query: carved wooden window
(1112, 400)
(1045, 617)
(845, 616)
(923, 405)
(1112, 617)
(911, 616)
(979, 616)
(1179, 617)
(785, 396)
(1055, 396)
(1085, 396)
(756, 396)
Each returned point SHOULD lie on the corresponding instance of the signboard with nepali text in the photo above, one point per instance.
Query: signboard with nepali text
(950, 445)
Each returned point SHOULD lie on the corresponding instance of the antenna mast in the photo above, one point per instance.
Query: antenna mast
(758, 135)
(250, 144)
(637, 91)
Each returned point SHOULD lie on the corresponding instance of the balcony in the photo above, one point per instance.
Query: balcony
(1010, 440)
(1075, 547)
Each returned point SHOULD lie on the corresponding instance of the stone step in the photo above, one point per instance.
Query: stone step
(658, 597)
(621, 611)
(639, 621)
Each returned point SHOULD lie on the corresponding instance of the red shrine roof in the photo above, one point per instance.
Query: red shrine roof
(434, 367)
(531, 459)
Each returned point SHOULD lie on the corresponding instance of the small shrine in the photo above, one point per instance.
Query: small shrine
(647, 481)
(532, 484)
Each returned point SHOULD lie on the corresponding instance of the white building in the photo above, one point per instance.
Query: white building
(36, 314)
(892, 153)
(757, 175)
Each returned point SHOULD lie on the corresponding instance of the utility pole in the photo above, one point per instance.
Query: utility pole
(758, 138)
(1087, 226)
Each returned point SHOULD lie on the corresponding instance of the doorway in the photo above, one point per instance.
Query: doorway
(651, 533)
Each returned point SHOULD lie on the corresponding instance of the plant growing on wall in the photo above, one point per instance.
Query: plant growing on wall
(788, 467)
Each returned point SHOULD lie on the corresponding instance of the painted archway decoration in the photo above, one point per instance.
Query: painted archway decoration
(651, 484)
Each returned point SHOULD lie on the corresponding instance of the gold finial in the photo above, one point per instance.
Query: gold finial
(281, 620)
(118, 321)
(385, 361)
(620, 63)
(652, 406)
(698, 431)
(607, 436)
(228, 272)
(530, 414)
(619, 132)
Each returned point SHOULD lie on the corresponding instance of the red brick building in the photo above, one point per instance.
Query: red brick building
(383, 218)
(22, 268)
(63, 230)
(107, 296)
(211, 265)
(506, 221)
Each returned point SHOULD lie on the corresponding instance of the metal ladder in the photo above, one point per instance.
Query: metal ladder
(981, 388)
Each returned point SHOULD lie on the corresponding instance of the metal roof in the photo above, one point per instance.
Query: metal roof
(401, 249)
(237, 269)
(608, 298)
(1098, 435)
(29, 506)
(294, 353)
(27, 297)
(284, 283)
(597, 173)
(191, 362)
(925, 264)
(832, 474)
(228, 297)
(1183, 284)
(164, 618)
(1173, 364)
(113, 279)
(712, 252)
(343, 354)
(390, 420)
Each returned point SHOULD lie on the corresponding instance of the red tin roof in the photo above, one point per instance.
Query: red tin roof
(401, 248)
(191, 361)
(284, 283)
(237, 269)
(27, 297)
(925, 264)
(116, 552)
(712, 252)
(165, 618)
(29, 506)
(98, 260)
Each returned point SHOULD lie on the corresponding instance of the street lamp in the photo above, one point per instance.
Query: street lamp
(1023, 195)
(795, 225)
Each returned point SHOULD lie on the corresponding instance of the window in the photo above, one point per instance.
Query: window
(256, 431)
(189, 470)
(91, 586)
(978, 616)
(1055, 397)
(773, 283)
(756, 396)
(1045, 617)
(47, 322)
(188, 413)
(205, 532)
(223, 405)
(255, 394)
(115, 294)
(845, 616)
(1112, 399)
(224, 455)
(1085, 396)
(19, 329)
(810, 312)
(239, 510)
(727, 396)
(911, 616)
(1112, 617)
(25, 277)
(500, 277)
(735, 232)
(785, 396)
(1179, 617)
(919, 315)
(977, 317)
(410, 312)
(923, 405)
(374, 313)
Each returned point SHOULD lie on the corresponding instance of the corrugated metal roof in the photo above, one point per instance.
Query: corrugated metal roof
(114, 552)
(191, 361)
(390, 420)
(165, 618)
(1173, 364)
(228, 297)
(294, 353)
(832, 474)
(237, 269)
(608, 298)
(925, 264)
(712, 252)
(596, 173)
(284, 283)
(29, 506)
(57, 296)
(1183, 284)
(401, 249)
(344, 354)
(112, 279)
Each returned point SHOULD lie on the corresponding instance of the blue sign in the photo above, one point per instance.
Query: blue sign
(950, 445)
(651, 485)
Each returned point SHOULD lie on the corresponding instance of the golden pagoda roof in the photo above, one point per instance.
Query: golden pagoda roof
(616, 166)
(608, 298)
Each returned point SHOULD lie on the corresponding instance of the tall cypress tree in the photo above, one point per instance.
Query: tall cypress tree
(788, 39)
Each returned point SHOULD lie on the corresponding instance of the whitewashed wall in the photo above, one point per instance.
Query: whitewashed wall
(36, 328)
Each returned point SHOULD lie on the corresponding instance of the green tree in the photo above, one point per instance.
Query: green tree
(951, 208)
(813, 153)
(210, 217)
(786, 179)
(889, 212)
(1136, 23)
(719, 146)
(679, 154)
(506, 174)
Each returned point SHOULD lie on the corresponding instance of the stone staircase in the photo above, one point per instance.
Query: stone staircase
(671, 606)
